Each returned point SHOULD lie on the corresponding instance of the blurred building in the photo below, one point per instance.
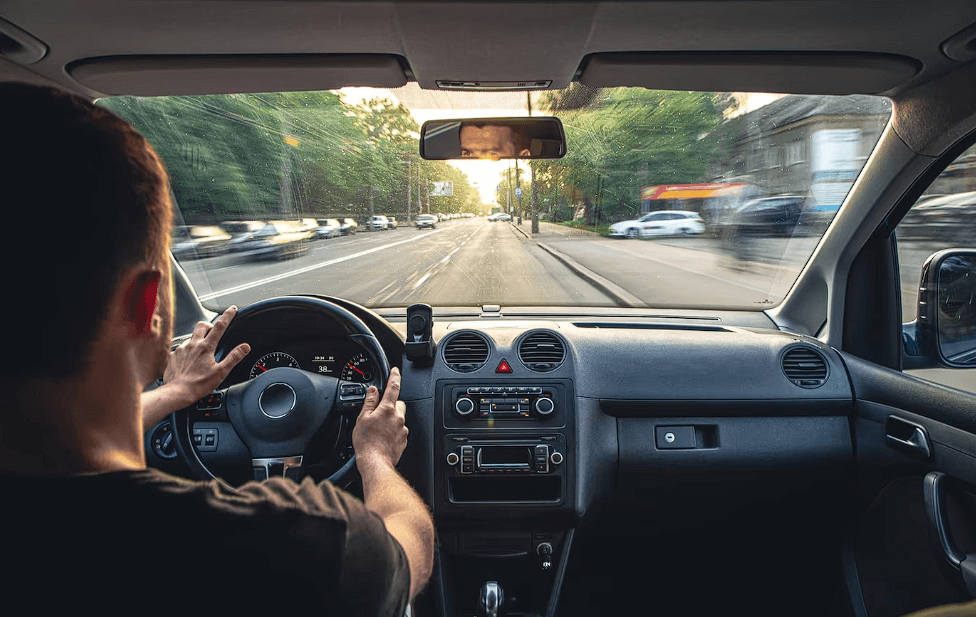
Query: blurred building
(812, 146)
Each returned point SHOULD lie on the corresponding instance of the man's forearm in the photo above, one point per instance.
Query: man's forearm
(405, 515)
(162, 401)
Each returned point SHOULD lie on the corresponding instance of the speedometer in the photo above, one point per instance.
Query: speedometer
(359, 368)
(272, 360)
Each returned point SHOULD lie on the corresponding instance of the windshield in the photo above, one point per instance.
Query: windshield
(594, 228)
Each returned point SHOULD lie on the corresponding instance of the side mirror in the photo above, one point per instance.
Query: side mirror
(944, 333)
(493, 138)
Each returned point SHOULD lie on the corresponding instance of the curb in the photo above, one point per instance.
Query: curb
(520, 230)
(619, 295)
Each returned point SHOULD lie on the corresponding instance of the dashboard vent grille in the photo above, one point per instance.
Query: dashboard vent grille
(466, 352)
(805, 367)
(542, 351)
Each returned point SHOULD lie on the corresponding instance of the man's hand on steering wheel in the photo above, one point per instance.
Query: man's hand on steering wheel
(191, 371)
(380, 435)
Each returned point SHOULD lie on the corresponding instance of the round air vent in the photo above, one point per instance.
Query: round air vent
(466, 352)
(805, 367)
(541, 351)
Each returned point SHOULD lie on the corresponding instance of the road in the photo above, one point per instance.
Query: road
(466, 262)
(471, 262)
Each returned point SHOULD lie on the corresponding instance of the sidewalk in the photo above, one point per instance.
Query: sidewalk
(550, 230)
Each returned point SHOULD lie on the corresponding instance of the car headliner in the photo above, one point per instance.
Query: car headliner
(870, 47)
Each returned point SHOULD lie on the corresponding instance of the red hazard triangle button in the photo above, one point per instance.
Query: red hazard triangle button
(503, 367)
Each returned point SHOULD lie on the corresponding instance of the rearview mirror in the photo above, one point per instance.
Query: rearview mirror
(493, 138)
(945, 331)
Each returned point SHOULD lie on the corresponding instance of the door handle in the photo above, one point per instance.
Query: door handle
(908, 437)
(933, 494)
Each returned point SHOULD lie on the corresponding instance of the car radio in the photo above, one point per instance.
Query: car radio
(503, 402)
(536, 456)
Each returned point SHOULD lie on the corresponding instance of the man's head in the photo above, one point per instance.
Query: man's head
(88, 215)
(491, 141)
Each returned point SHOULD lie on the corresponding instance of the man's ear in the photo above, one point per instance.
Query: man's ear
(139, 300)
(526, 153)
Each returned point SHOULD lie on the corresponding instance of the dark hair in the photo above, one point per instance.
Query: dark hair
(86, 198)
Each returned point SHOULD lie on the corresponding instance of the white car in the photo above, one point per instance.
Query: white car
(379, 222)
(660, 223)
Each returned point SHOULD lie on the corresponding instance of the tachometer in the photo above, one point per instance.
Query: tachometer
(272, 360)
(359, 368)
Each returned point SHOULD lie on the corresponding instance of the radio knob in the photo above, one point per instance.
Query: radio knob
(544, 549)
(556, 458)
(453, 458)
(464, 406)
(544, 406)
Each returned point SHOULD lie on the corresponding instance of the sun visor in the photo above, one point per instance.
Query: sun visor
(805, 73)
(228, 74)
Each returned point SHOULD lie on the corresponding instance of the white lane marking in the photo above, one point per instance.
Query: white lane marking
(278, 277)
(421, 281)
(446, 259)
(392, 283)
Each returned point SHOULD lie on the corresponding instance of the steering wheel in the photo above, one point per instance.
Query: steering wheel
(277, 414)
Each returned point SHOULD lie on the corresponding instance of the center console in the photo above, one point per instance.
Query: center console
(504, 493)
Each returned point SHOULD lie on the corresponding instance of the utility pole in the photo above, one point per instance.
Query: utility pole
(518, 191)
(286, 205)
(409, 177)
(535, 196)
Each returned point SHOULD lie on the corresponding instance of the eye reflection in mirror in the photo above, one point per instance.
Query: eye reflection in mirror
(493, 138)
(492, 141)
(957, 309)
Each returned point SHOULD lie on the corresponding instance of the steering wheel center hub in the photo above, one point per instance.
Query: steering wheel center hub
(277, 400)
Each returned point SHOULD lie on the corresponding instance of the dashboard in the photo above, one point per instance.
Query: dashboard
(528, 428)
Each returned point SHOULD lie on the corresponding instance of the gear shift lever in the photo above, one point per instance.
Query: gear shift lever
(492, 599)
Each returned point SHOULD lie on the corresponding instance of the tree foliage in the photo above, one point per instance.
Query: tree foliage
(622, 139)
(300, 154)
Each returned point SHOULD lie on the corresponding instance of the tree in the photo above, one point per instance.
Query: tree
(625, 138)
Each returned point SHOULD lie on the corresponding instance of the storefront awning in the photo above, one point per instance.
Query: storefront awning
(687, 191)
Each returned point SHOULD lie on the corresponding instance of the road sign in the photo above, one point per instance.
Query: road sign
(518, 192)
(442, 189)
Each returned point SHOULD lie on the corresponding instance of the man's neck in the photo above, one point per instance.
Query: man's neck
(71, 427)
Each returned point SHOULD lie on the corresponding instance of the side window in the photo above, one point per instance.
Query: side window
(943, 217)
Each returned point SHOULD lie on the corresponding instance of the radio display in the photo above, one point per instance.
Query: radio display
(505, 455)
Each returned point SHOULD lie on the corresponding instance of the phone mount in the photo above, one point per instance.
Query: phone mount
(420, 343)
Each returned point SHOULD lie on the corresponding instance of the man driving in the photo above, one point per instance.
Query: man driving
(90, 311)
(491, 141)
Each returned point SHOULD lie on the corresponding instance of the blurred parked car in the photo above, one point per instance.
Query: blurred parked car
(348, 227)
(328, 228)
(392, 222)
(279, 240)
(500, 216)
(769, 216)
(951, 217)
(240, 232)
(379, 222)
(198, 241)
(425, 221)
(660, 223)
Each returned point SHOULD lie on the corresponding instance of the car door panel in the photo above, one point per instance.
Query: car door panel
(898, 563)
